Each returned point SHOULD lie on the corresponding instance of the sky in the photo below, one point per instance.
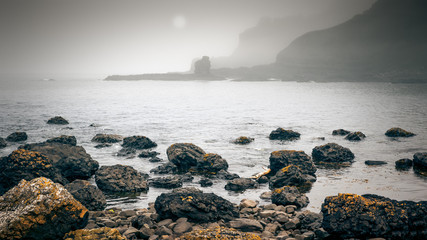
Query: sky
(96, 38)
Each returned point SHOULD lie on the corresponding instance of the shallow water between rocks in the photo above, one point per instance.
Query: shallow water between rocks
(212, 114)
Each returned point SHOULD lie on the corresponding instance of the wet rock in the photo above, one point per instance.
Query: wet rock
(155, 159)
(241, 184)
(420, 159)
(17, 137)
(39, 209)
(57, 120)
(282, 134)
(398, 132)
(332, 153)
(223, 174)
(3, 143)
(289, 196)
(138, 142)
(126, 152)
(374, 162)
(211, 163)
(97, 233)
(404, 163)
(284, 158)
(107, 138)
(246, 225)
(166, 182)
(367, 216)
(120, 178)
(205, 182)
(90, 196)
(166, 168)
(219, 233)
(184, 155)
(340, 132)
(243, 140)
(103, 145)
(355, 136)
(195, 206)
(64, 139)
(72, 161)
(24, 164)
(289, 176)
(148, 154)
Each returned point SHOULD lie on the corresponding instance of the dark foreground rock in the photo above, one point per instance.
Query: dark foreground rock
(64, 139)
(241, 184)
(420, 159)
(219, 233)
(196, 206)
(243, 140)
(184, 155)
(57, 120)
(403, 164)
(72, 161)
(284, 158)
(282, 134)
(107, 138)
(166, 182)
(290, 176)
(398, 132)
(369, 216)
(332, 153)
(17, 137)
(289, 195)
(355, 136)
(374, 162)
(3, 143)
(120, 178)
(39, 209)
(97, 233)
(90, 196)
(138, 142)
(340, 132)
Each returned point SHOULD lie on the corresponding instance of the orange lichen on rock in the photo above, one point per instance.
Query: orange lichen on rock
(97, 233)
(22, 157)
(221, 233)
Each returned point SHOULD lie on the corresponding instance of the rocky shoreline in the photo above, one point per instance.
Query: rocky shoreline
(46, 195)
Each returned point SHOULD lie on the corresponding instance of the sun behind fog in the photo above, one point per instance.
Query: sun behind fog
(179, 22)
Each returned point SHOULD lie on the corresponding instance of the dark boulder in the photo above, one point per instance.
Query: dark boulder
(196, 206)
(166, 182)
(120, 178)
(166, 168)
(126, 152)
(155, 159)
(332, 153)
(289, 195)
(369, 216)
(64, 139)
(223, 174)
(40, 209)
(282, 134)
(185, 155)
(340, 132)
(107, 138)
(205, 182)
(3, 143)
(90, 196)
(289, 176)
(211, 163)
(57, 120)
(138, 142)
(72, 161)
(148, 154)
(103, 145)
(17, 137)
(241, 184)
(398, 132)
(355, 136)
(96, 233)
(374, 162)
(420, 159)
(284, 158)
(243, 140)
(403, 164)
(24, 164)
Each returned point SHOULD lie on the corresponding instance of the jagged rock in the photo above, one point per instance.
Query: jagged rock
(289, 195)
(246, 225)
(211, 163)
(120, 178)
(72, 161)
(17, 137)
(39, 209)
(205, 182)
(202, 66)
(368, 216)
(57, 120)
(331, 153)
(340, 132)
(241, 184)
(223, 174)
(184, 155)
(355, 136)
(282, 134)
(24, 164)
(219, 233)
(289, 176)
(155, 159)
(420, 159)
(404, 163)
(166, 168)
(284, 158)
(374, 162)
(138, 142)
(166, 182)
(97, 233)
(90, 196)
(148, 154)
(195, 206)
(126, 152)
(107, 138)
(71, 140)
(243, 140)
(3, 143)
(398, 132)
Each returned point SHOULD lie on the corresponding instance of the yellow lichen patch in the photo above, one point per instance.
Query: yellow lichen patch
(281, 153)
(220, 233)
(187, 199)
(31, 159)
(285, 169)
(97, 233)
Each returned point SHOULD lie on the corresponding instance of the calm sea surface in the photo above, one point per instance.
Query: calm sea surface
(211, 114)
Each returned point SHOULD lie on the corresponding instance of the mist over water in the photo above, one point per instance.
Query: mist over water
(211, 114)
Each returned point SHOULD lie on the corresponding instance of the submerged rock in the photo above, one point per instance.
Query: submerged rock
(57, 120)
(241, 184)
(374, 162)
(64, 139)
(39, 209)
(332, 153)
(205, 182)
(96, 233)
(243, 140)
(3, 143)
(404, 164)
(355, 136)
(340, 132)
(166, 182)
(398, 132)
(120, 178)
(148, 154)
(17, 137)
(284, 158)
(103, 145)
(219, 233)
(282, 134)
(107, 138)
(126, 152)
(289, 195)
(223, 174)
(138, 142)
(184, 155)
(90, 196)
(369, 216)
(420, 159)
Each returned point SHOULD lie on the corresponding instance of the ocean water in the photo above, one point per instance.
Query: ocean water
(211, 114)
